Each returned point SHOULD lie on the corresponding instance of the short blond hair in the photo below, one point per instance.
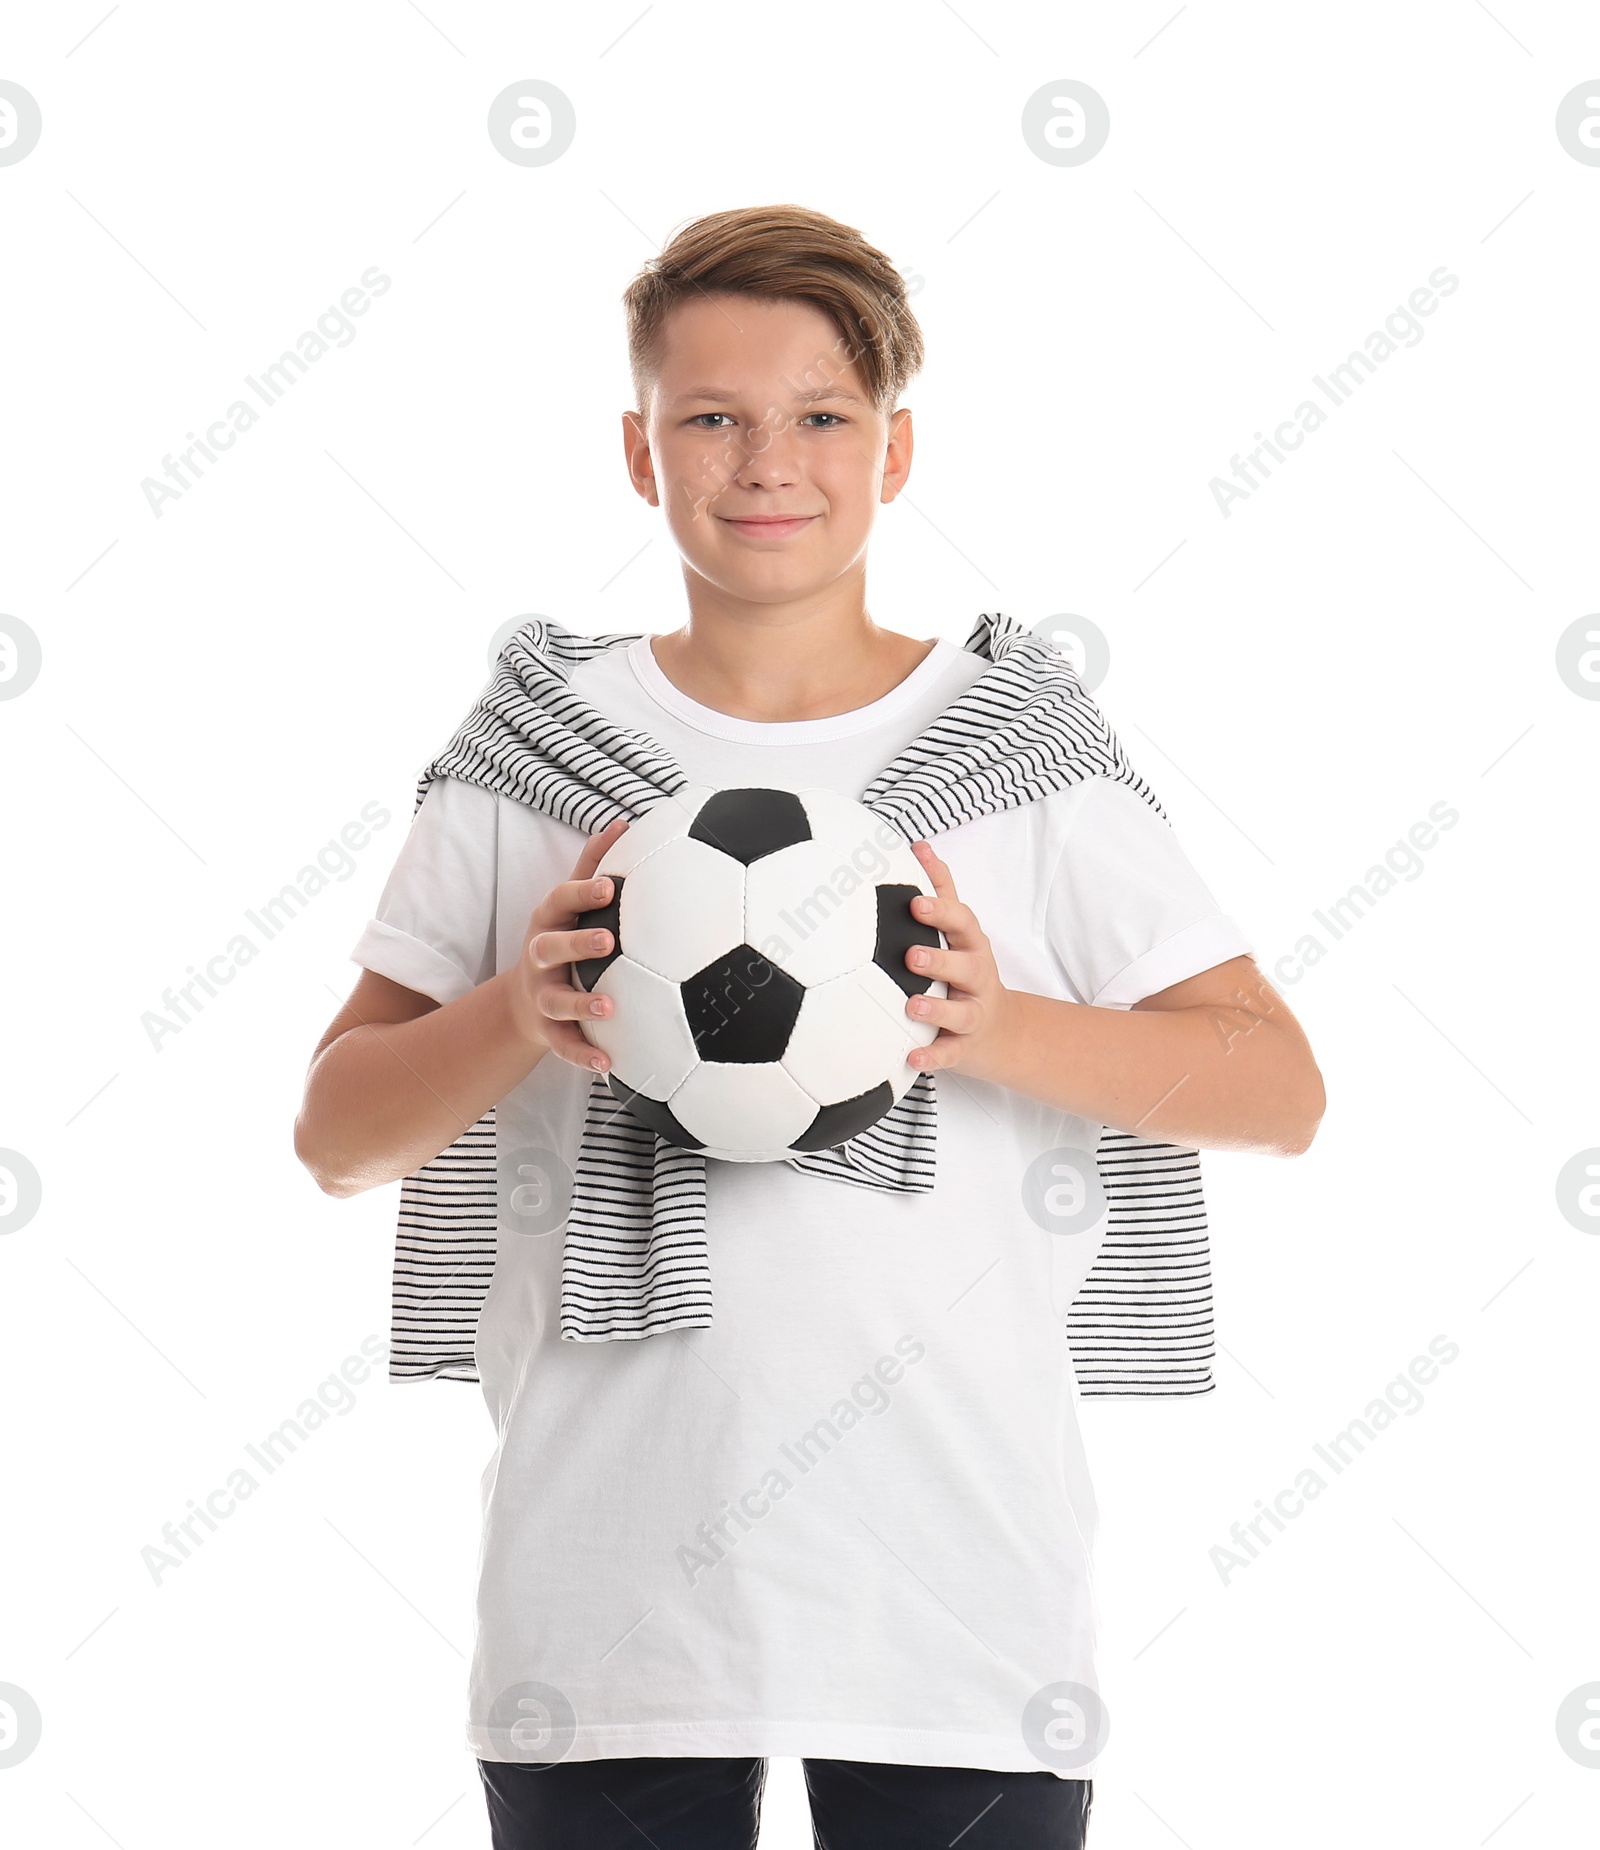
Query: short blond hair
(781, 253)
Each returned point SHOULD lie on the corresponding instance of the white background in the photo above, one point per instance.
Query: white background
(1372, 632)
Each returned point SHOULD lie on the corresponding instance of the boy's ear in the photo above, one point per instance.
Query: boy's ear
(897, 456)
(636, 450)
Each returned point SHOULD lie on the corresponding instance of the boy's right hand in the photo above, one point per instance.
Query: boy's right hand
(545, 1003)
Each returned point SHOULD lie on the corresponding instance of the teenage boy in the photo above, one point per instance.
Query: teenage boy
(848, 1519)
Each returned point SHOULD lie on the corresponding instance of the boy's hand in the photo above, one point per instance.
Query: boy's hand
(545, 1003)
(973, 1019)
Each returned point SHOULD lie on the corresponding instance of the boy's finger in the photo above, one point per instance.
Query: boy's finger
(555, 950)
(567, 1040)
(565, 901)
(589, 855)
(947, 914)
(583, 1053)
(587, 895)
(937, 871)
(566, 1002)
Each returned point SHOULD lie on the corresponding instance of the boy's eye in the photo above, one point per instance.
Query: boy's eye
(700, 418)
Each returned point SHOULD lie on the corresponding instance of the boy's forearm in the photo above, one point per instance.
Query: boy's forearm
(387, 1097)
(1209, 1077)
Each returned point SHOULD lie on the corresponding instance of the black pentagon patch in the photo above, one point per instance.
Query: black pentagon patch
(897, 932)
(741, 1008)
(601, 918)
(836, 1124)
(651, 1112)
(748, 824)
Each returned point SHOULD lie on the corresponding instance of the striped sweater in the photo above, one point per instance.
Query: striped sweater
(634, 1258)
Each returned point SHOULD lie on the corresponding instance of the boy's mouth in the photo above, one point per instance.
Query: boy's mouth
(768, 526)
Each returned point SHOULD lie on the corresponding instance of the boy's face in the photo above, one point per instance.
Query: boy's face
(764, 448)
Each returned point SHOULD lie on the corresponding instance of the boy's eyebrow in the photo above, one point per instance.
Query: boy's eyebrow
(831, 391)
(801, 398)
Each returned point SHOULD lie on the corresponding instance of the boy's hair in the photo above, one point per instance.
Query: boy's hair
(782, 253)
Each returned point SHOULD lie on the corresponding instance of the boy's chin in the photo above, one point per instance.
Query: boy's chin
(771, 581)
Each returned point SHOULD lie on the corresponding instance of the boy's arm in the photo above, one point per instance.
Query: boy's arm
(397, 1078)
(399, 1074)
(1215, 1062)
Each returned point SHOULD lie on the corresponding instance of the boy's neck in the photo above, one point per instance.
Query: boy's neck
(805, 658)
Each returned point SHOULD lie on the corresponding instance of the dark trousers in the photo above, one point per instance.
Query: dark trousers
(678, 1803)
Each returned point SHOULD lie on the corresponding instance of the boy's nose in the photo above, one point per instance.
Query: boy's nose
(774, 467)
(771, 455)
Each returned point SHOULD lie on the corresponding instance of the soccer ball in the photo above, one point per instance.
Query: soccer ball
(758, 970)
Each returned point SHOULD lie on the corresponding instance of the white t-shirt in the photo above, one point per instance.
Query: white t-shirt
(851, 1519)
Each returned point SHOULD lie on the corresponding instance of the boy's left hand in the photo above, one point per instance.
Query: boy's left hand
(972, 1020)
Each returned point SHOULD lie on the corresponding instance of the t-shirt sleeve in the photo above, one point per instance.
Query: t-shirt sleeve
(1127, 913)
(434, 930)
